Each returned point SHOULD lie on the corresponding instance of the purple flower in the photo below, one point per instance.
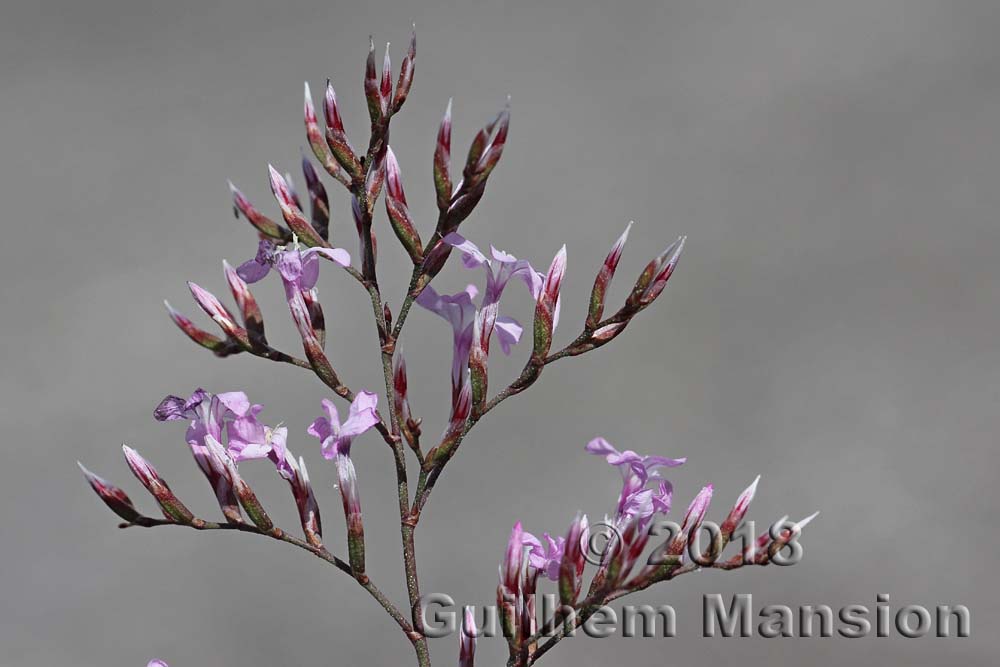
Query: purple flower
(233, 413)
(545, 558)
(298, 268)
(336, 437)
(635, 500)
(499, 270)
(459, 309)
(157, 663)
(250, 439)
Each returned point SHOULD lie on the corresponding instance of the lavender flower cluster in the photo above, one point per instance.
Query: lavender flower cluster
(224, 430)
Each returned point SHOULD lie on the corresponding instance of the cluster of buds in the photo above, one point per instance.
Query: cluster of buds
(224, 429)
(625, 537)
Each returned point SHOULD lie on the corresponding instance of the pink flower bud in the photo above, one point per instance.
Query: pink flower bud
(546, 307)
(663, 275)
(398, 212)
(248, 499)
(467, 639)
(510, 570)
(220, 347)
(214, 309)
(739, 509)
(603, 280)
(291, 211)
(654, 277)
(409, 426)
(173, 509)
(693, 517)
(482, 331)
(253, 319)
(442, 159)
(373, 94)
(311, 343)
(319, 201)
(385, 87)
(261, 222)
(405, 81)
(348, 484)
(316, 141)
(608, 332)
(336, 136)
(116, 499)
(574, 560)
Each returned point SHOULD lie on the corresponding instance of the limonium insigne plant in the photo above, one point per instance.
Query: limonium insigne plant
(225, 429)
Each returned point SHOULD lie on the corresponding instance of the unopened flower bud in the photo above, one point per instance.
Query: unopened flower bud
(398, 211)
(261, 222)
(739, 509)
(545, 308)
(405, 81)
(479, 350)
(348, 484)
(385, 86)
(336, 136)
(214, 309)
(319, 201)
(291, 211)
(248, 499)
(461, 409)
(574, 560)
(654, 277)
(316, 139)
(173, 509)
(116, 499)
(372, 91)
(467, 639)
(693, 517)
(253, 319)
(442, 159)
(603, 280)
(220, 347)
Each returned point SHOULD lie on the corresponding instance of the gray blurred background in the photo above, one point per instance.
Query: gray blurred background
(832, 326)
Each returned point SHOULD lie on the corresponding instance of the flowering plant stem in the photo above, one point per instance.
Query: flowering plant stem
(231, 418)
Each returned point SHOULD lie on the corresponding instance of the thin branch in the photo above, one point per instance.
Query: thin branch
(278, 534)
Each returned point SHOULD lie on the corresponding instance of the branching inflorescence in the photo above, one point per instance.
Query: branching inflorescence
(225, 429)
